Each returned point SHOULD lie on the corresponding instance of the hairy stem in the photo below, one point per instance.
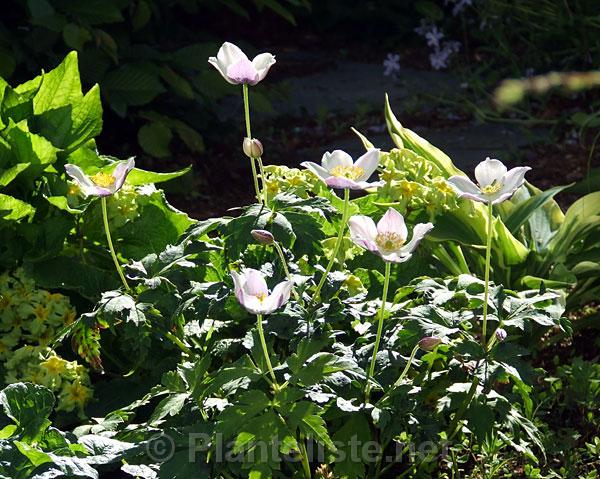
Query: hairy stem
(488, 253)
(263, 343)
(249, 135)
(386, 284)
(110, 244)
(336, 248)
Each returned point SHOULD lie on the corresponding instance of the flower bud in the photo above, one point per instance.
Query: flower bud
(428, 343)
(263, 236)
(501, 334)
(252, 147)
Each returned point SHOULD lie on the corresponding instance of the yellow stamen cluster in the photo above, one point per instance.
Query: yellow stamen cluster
(103, 180)
(261, 297)
(389, 242)
(350, 172)
(490, 189)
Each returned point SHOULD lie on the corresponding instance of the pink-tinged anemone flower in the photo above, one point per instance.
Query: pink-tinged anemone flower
(388, 237)
(233, 65)
(495, 183)
(253, 294)
(338, 170)
(100, 184)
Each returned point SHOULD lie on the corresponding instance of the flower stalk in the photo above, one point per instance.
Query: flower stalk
(336, 247)
(488, 253)
(263, 343)
(386, 284)
(110, 244)
(260, 197)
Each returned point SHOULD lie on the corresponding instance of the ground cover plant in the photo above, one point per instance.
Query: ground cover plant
(384, 316)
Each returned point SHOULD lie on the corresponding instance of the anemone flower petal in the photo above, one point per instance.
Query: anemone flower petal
(78, 175)
(316, 169)
(254, 283)
(228, 55)
(514, 179)
(262, 63)
(489, 171)
(242, 72)
(120, 173)
(252, 304)
(392, 222)
(396, 257)
(464, 185)
(480, 197)
(341, 182)
(419, 232)
(368, 162)
(279, 296)
(336, 158)
(363, 185)
(238, 286)
(363, 232)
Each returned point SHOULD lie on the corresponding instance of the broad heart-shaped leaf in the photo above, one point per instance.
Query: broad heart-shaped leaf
(59, 87)
(155, 138)
(132, 84)
(29, 406)
(69, 273)
(18, 102)
(7, 176)
(30, 148)
(158, 225)
(70, 126)
(139, 177)
(13, 209)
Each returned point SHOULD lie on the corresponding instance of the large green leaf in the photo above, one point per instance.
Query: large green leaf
(405, 138)
(13, 209)
(59, 87)
(7, 176)
(132, 84)
(143, 177)
(524, 210)
(29, 406)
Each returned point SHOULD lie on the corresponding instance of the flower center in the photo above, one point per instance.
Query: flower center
(261, 297)
(349, 172)
(103, 180)
(495, 187)
(389, 242)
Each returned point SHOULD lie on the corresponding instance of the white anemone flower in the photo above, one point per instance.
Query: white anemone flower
(339, 171)
(101, 184)
(388, 237)
(253, 294)
(235, 67)
(495, 183)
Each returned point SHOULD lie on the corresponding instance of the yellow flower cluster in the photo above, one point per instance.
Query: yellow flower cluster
(29, 315)
(123, 206)
(413, 184)
(289, 180)
(40, 365)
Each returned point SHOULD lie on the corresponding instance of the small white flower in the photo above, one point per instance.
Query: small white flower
(388, 237)
(391, 64)
(253, 294)
(235, 67)
(339, 171)
(495, 183)
(100, 184)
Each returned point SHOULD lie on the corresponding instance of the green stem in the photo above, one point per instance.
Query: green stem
(285, 267)
(488, 253)
(249, 135)
(110, 244)
(336, 248)
(177, 342)
(304, 455)
(454, 426)
(263, 343)
(403, 374)
(386, 284)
